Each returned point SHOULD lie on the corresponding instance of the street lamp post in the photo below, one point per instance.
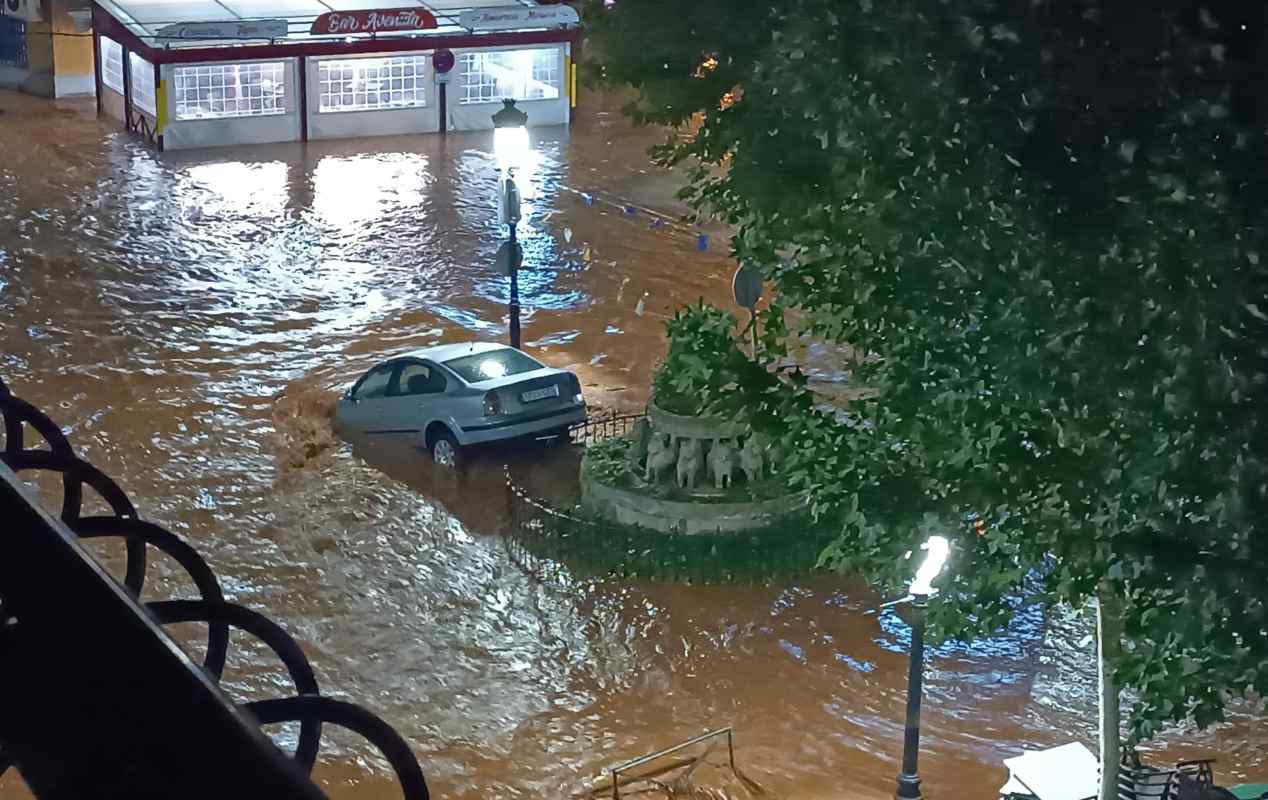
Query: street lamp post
(510, 132)
(937, 549)
(908, 780)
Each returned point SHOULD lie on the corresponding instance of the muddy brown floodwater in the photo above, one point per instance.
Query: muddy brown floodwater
(188, 317)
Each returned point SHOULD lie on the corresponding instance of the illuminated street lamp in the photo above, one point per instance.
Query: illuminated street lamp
(509, 116)
(937, 548)
(510, 146)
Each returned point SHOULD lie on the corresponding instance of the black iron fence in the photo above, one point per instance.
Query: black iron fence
(97, 699)
(603, 426)
(549, 536)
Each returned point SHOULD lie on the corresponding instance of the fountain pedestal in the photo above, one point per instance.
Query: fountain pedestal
(687, 475)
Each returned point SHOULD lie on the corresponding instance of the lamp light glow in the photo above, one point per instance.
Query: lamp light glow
(937, 549)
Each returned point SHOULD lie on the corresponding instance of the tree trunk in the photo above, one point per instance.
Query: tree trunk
(1109, 632)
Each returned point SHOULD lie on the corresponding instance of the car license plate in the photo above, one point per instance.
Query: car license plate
(540, 394)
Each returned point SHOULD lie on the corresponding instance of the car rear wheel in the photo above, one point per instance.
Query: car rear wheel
(445, 450)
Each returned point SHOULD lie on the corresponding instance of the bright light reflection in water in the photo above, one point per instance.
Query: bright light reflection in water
(243, 189)
(350, 192)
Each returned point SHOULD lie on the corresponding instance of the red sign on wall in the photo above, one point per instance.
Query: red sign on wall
(442, 61)
(379, 20)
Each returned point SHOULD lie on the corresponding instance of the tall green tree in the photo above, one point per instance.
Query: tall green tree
(1053, 276)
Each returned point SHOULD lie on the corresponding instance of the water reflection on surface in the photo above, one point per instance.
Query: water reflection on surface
(189, 318)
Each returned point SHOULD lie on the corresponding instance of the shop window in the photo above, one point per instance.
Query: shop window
(514, 74)
(372, 84)
(218, 91)
(112, 64)
(142, 83)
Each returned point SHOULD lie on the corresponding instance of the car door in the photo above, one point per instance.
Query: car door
(419, 388)
(368, 406)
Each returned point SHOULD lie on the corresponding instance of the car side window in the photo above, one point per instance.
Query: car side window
(374, 384)
(417, 379)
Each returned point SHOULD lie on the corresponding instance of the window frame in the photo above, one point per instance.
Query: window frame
(144, 92)
(510, 352)
(467, 62)
(418, 80)
(106, 48)
(432, 370)
(217, 75)
(390, 368)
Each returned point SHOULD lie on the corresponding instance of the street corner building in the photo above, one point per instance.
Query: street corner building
(46, 47)
(204, 73)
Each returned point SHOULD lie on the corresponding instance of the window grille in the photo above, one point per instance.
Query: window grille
(510, 74)
(372, 84)
(220, 91)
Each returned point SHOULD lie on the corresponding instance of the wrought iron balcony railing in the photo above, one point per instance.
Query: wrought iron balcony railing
(96, 700)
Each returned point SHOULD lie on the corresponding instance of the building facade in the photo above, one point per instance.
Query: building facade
(203, 74)
(45, 47)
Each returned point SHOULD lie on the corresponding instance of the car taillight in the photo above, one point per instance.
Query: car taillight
(576, 389)
(492, 404)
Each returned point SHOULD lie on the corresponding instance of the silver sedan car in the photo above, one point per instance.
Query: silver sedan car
(455, 395)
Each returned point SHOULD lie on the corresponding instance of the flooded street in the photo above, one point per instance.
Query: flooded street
(188, 319)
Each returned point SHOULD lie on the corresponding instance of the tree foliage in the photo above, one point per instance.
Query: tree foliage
(1044, 225)
(703, 364)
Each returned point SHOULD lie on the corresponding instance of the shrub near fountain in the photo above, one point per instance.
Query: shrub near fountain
(681, 470)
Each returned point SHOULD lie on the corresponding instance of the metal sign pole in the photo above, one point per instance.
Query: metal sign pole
(515, 290)
(747, 286)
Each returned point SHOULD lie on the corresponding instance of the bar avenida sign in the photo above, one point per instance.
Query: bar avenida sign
(379, 20)
(506, 19)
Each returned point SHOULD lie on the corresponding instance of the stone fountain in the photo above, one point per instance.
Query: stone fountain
(686, 474)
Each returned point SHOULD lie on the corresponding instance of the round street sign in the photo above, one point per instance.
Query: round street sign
(442, 61)
(747, 286)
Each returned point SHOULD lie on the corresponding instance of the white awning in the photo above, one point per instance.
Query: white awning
(146, 18)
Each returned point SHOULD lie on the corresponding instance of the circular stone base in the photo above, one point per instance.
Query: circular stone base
(705, 428)
(676, 516)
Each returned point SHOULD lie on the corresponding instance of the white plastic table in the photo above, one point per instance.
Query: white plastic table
(1068, 772)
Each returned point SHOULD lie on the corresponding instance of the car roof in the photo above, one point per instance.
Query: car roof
(446, 352)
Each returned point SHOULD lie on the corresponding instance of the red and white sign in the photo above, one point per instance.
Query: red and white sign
(442, 61)
(379, 20)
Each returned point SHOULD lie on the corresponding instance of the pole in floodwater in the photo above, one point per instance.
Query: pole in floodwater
(908, 779)
(514, 310)
(747, 286)
(938, 548)
(510, 137)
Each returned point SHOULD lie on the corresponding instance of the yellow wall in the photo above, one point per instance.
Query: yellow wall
(39, 47)
(56, 53)
(72, 55)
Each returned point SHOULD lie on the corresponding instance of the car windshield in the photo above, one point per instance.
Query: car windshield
(491, 365)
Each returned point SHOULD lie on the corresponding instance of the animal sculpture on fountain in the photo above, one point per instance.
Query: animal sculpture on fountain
(641, 438)
(661, 456)
(689, 458)
(722, 463)
(751, 459)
